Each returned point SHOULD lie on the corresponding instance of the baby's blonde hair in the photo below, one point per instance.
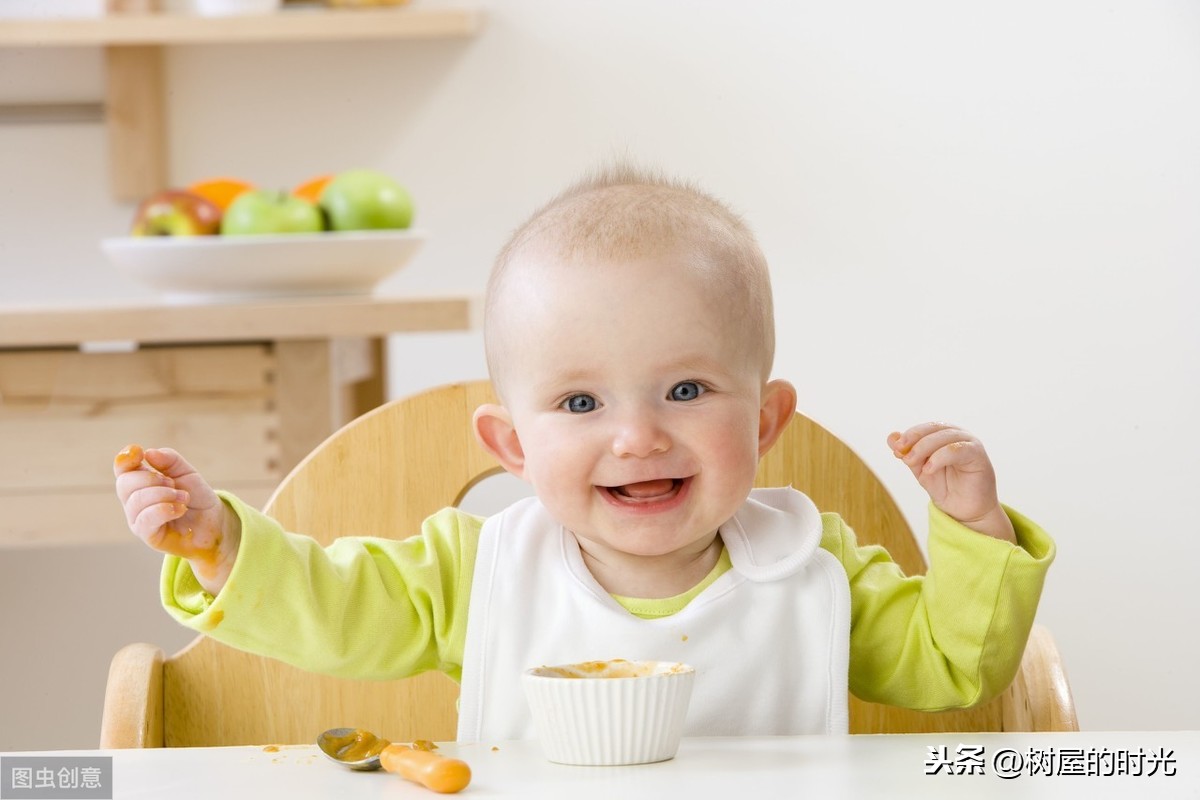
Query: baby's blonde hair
(625, 212)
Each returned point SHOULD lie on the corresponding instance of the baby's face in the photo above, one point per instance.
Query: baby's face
(635, 397)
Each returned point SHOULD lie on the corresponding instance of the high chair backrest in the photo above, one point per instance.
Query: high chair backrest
(385, 472)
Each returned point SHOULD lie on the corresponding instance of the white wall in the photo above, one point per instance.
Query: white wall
(988, 213)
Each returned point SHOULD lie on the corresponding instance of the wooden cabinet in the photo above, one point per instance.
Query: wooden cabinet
(134, 97)
(245, 391)
(63, 412)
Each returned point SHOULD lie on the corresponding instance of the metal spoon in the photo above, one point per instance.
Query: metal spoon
(350, 747)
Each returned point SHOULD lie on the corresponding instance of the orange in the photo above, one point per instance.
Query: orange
(310, 190)
(221, 191)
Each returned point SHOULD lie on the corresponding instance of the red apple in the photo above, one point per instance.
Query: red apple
(176, 212)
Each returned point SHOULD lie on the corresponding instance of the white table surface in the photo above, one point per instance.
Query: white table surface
(742, 768)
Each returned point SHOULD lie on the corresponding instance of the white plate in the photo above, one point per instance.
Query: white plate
(190, 268)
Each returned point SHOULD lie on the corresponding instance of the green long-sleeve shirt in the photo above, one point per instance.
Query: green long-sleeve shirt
(384, 608)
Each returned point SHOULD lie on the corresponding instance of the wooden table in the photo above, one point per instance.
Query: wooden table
(245, 390)
(857, 767)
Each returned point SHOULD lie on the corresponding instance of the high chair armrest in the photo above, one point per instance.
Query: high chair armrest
(133, 699)
(1045, 704)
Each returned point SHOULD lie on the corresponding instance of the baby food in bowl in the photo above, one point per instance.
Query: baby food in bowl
(606, 713)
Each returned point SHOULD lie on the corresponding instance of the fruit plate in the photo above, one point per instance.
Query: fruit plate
(191, 268)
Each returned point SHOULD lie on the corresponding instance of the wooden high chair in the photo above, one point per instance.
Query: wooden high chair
(381, 475)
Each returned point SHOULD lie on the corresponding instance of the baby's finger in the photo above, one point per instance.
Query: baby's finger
(151, 496)
(960, 454)
(152, 518)
(130, 482)
(904, 442)
(169, 463)
(927, 445)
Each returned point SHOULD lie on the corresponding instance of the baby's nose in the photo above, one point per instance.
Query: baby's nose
(640, 436)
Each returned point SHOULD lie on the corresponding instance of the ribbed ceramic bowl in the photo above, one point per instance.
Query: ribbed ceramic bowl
(605, 713)
(229, 8)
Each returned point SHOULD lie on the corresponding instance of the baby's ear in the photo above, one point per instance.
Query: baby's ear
(775, 412)
(494, 430)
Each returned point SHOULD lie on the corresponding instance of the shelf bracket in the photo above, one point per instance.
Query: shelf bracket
(136, 121)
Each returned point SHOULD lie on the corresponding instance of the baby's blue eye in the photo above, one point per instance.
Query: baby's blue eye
(580, 403)
(686, 390)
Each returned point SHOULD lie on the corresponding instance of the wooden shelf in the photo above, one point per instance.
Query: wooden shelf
(291, 25)
(155, 323)
(134, 94)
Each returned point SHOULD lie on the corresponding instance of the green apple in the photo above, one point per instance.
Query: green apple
(259, 211)
(176, 212)
(363, 199)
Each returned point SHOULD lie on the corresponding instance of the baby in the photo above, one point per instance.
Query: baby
(630, 338)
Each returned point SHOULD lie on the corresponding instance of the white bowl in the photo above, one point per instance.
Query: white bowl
(607, 713)
(189, 268)
(49, 9)
(227, 8)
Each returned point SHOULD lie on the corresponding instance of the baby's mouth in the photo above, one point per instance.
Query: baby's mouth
(646, 491)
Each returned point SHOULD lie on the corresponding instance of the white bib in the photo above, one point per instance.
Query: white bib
(769, 638)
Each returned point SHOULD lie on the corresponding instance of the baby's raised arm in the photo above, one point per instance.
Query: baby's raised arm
(171, 508)
(952, 466)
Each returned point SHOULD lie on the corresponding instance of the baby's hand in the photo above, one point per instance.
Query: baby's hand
(952, 466)
(171, 508)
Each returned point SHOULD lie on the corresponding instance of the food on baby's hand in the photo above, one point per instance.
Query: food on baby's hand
(129, 459)
(439, 773)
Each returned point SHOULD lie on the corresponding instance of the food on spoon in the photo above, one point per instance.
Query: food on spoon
(357, 745)
(439, 773)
